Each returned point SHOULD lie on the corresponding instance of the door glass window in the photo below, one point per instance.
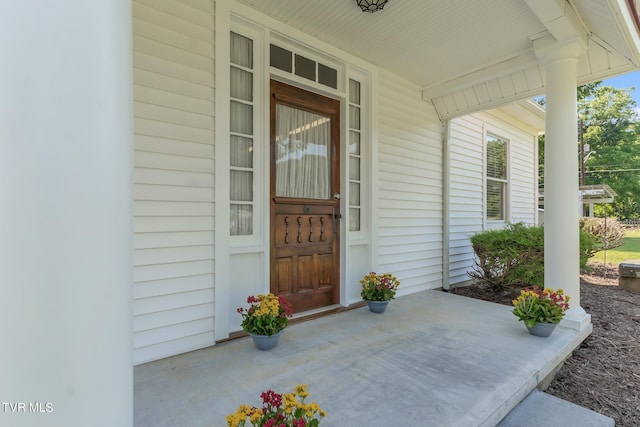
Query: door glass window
(303, 157)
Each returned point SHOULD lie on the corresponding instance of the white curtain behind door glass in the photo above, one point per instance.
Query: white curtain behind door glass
(303, 155)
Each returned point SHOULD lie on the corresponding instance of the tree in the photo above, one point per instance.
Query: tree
(611, 128)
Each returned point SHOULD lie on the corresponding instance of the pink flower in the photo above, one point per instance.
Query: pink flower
(271, 398)
(285, 306)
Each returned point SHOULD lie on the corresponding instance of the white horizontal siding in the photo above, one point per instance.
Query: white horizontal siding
(172, 286)
(167, 68)
(148, 143)
(173, 177)
(165, 239)
(171, 332)
(161, 161)
(409, 196)
(175, 346)
(176, 270)
(466, 183)
(524, 172)
(466, 186)
(162, 208)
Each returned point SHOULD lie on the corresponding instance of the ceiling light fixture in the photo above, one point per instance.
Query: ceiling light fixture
(371, 5)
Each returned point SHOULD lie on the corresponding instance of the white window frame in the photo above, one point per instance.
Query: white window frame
(255, 241)
(361, 236)
(506, 205)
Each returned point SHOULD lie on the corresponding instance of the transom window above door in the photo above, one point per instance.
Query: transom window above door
(303, 66)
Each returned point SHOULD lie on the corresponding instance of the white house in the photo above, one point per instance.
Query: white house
(155, 154)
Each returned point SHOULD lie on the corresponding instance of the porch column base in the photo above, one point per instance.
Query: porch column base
(577, 319)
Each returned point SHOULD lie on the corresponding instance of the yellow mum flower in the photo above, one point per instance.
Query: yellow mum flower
(244, 409)
(236, 419)
(231, 420)
(301, 390)
(255, 417)
(289, 402)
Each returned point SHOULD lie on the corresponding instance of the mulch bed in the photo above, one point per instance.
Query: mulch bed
(603, 374)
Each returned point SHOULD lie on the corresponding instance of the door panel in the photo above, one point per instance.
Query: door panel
(305, 174)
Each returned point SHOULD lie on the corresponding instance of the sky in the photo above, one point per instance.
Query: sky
(627, 81)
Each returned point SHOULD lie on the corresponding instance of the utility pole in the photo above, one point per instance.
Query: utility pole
(582, 174)
(581, 139)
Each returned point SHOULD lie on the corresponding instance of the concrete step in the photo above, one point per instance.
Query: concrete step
(542, 409)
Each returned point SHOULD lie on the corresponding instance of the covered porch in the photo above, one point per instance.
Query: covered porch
(432, 358)
(118, 127)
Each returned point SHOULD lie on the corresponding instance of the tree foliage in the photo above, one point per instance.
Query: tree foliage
(610, 127)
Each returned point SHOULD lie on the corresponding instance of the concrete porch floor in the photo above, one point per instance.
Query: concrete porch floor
(432, 359)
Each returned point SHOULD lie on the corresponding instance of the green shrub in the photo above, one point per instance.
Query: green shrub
(514, 256)
(587, 248)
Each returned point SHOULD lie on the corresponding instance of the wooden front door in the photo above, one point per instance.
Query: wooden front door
(305, 186)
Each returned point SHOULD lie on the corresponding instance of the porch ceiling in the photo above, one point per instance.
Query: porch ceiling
(465, 55)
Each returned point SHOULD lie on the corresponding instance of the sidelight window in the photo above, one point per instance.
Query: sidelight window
(242, 136)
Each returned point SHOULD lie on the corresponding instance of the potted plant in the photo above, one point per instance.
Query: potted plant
(265, 319)
(279, 410)
(541, 309)
(378, 290)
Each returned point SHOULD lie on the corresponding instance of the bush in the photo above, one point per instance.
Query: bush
(514, 256)
(509, 257)
(607, 233)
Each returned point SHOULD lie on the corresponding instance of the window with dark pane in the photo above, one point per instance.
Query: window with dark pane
(305, 67)
(327, 76)
(281, 58)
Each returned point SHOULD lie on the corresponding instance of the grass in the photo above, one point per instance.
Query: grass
(630, 249)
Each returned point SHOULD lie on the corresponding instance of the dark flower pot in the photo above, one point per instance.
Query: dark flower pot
(377, 306)
(542, 329)
(266, 342)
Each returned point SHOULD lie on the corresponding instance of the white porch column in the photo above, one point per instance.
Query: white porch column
(66, 213)
(561, 234)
